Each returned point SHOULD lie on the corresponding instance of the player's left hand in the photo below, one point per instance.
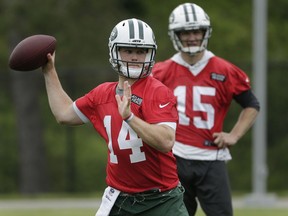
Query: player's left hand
(124, 102)
(50, 65)
(223, 140)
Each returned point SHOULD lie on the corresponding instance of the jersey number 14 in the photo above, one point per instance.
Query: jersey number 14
(134, 142)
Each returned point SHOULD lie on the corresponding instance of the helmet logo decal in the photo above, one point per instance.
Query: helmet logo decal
(154, 39)
(114, 34)
(171, 18)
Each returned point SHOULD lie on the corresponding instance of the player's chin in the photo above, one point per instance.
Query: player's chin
(134, 66)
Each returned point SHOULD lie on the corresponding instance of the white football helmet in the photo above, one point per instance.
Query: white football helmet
(189, 16)
(132, 33)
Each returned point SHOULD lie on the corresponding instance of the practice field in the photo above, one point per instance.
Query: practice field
(91, 212)
(88, 206)
(48, 212)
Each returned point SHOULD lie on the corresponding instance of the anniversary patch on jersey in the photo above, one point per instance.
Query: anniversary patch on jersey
(135, 99)
(218, 77)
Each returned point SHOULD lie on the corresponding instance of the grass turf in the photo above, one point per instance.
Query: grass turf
(81, 212)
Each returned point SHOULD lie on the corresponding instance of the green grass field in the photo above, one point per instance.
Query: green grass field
(84, 206)
(83, 212)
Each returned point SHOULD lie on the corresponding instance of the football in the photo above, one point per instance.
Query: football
(31, 53)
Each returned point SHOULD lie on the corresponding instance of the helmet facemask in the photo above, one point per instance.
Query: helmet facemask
(191, 50)
(126, 68)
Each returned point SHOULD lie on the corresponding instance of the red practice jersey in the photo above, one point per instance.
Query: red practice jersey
(133, 166)
(203, 98)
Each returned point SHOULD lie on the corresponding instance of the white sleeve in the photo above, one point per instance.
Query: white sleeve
(80, 114)
(170, 124)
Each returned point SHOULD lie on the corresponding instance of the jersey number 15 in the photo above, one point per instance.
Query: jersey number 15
(197, 92)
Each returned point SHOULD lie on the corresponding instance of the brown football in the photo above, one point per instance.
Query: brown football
(31, 53)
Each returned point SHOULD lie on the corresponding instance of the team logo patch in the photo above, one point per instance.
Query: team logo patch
(111, 191)
(218, 77)
(137, 100)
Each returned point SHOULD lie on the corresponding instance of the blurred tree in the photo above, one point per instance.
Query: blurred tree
(33, 175)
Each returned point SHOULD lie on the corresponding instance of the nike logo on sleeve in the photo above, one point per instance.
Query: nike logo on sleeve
(164, 105)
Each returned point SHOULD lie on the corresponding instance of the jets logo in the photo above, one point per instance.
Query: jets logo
(137, 100)
(114, 34)
(172, 18)
(218, 77)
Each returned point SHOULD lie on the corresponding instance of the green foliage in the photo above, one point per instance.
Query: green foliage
(8, 142)
(76, 157)
(277, 30)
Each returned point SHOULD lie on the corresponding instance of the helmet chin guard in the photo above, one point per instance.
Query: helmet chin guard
(187, 17)
(132, 33)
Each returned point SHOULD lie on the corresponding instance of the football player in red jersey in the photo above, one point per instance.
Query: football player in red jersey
(136, 116)
(205, 86)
